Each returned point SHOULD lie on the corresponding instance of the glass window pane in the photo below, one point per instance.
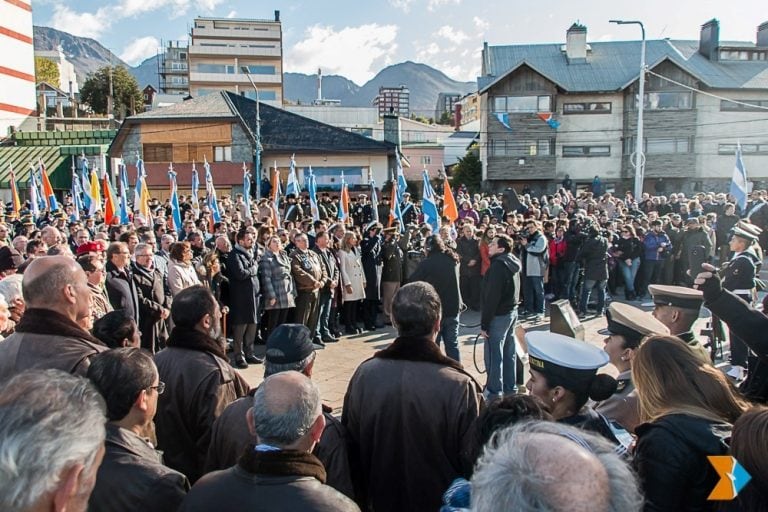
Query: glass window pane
(500, 104)
(544, 103)
(600, 150)
(655, 146)
(522, 104)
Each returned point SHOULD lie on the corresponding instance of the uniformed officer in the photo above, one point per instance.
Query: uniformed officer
(627, 326)
(409, 210)
(564, 376)
(738, 276)
(678, 308)
(292, 210)
(362, 212)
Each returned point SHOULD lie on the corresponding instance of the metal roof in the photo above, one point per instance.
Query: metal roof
(20, 157)
(612, 66)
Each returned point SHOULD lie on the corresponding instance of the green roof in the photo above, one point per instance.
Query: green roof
(57, 165)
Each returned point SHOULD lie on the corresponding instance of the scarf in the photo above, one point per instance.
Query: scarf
(192, 339)
(51, 323)
(282, 463)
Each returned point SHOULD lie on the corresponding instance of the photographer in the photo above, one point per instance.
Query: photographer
(594, 258)
(536, 258)
(657, 246)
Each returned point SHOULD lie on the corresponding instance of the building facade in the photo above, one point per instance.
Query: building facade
(393, 100)
(17, 65)
(588, 91)
(220, 48)
(67, 74)
(173, 68)
(445, 104)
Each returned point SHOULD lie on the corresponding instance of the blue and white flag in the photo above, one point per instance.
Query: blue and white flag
(247, 192)
(402, 185)
(195, 190)
(739, 182)
(312, 188)
(175, 209)
(292, 187)
(123, 176)
(85, 182)
(429, 205)
(503, 118)
(140, 173)
(213, 204)
(34, 193)
(374, 201)
(77, 197)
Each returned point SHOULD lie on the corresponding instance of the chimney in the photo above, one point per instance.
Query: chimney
(319, 85)
(277, 15)
(486, 67)
(457, 116)
(762, 35)
(576, 43)
(392, 129)
(709, 39)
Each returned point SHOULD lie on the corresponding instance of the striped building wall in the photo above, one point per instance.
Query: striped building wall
(17, 64)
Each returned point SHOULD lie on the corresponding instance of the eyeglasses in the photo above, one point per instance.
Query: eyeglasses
(160, 387)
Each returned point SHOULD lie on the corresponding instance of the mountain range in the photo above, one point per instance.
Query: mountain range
(423, 81)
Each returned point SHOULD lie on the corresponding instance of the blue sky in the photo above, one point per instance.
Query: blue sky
(358, 38)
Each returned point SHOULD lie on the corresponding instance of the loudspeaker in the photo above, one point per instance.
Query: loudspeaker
(564, 320)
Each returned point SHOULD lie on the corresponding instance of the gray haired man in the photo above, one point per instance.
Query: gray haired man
(52, 433)
(279, 472)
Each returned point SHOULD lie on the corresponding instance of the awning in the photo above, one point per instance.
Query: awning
(57, 165)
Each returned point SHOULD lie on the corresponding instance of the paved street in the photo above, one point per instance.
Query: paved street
(336, 363)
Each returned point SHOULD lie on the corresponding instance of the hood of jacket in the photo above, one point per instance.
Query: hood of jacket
(509, 260)
(704, 435)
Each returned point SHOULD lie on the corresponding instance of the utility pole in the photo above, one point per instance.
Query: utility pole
(257, 149)
(639, 155)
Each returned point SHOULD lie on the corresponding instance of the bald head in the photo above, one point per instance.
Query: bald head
(286, 408)
(56, 282)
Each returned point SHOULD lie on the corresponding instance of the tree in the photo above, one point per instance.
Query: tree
(446, 118)
(46, 71)
(127, 95)
(469, 171)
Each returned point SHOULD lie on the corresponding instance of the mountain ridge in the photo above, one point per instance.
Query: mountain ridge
(423, 81)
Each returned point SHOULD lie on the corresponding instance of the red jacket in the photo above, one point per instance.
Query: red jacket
(556, 251)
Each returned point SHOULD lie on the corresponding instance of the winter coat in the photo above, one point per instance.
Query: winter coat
(180, 276)
(651, 244)
(243, 275)
(441, 271)
(132, 477)
(370, 255)
(408, 412)
(671, 461)
(501, 288)
(277, 281)
(351, 269)
(557, 250)
(152, 302)
(392, 259)
(468, 250)
(594, 257)
(536, 255)
(121, 290)
(630, 248)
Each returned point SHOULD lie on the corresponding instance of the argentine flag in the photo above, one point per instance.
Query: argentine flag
(429, 205)
(739, 182)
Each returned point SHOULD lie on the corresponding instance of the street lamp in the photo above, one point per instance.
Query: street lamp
(257, 149)
(639, 155)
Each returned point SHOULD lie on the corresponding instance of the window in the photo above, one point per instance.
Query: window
(426, 160)
(655, 146)
(222, 153)
(542, 147)
(183, 56)
(752, 106)
(263, 95)
(158, 152)
(586, 151)
(261, 70)
(595, 107)
(753, 149)
(522, 104)
(667, 100)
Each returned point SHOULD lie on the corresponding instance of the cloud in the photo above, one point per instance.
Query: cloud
(82, 24)
(481, 24)
(403, 5)
(232, 14)
(433, 5)
(140, 49)
(452, 34)
(354, 52)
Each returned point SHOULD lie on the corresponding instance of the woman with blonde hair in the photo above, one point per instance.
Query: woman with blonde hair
(352, 280)
(688, 409)
(181, 271)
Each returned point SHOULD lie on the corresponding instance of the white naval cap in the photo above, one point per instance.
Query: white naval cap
(552, 353)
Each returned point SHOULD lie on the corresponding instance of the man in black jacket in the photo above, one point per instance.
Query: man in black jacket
(441, 269)
(501, 292)
(132, 475)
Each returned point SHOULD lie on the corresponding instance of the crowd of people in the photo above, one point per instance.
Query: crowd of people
(122, 344)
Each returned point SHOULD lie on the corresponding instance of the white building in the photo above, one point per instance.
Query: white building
(17, 65)
(67, 75)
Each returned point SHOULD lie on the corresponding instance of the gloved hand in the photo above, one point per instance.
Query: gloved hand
(708, 282)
